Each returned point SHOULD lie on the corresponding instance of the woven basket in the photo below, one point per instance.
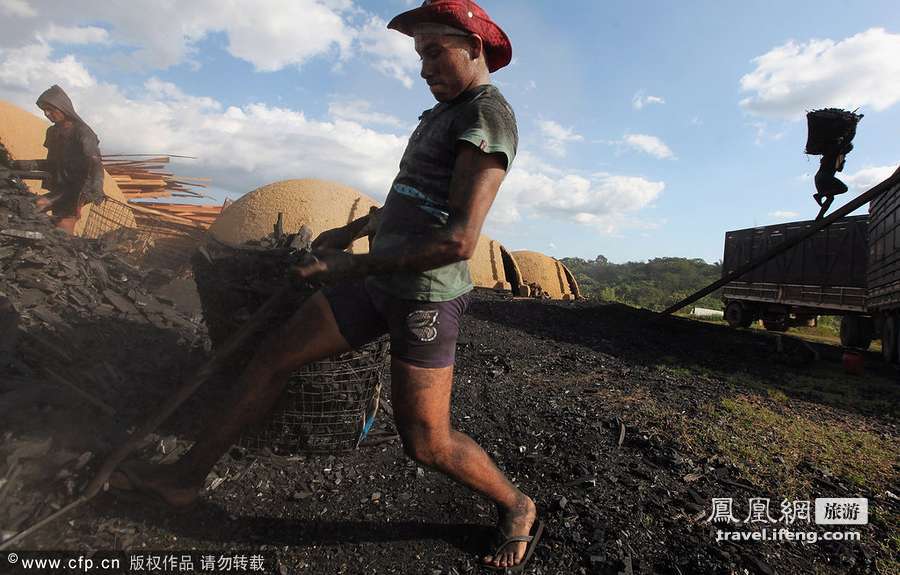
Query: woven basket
(328, 406)
(830, 130)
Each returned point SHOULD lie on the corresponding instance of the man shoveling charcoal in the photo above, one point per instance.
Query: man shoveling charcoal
(413, 284)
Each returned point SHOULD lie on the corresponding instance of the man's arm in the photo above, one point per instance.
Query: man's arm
(341, 238)
(476, 178)
(30, 165)
(92, 190)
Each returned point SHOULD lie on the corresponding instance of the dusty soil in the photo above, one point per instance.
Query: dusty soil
(622, 426)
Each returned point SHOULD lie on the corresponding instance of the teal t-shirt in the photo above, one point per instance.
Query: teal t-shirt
(418, 202)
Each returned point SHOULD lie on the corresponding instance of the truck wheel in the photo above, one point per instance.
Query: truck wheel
(856, 331)
(737, 315)
(775, 324)
(889, 339)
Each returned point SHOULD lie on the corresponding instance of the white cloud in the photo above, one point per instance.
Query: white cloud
(608, 202)
(649, 145)
(270, 34)
(555, 137)
(17, 8)
(764, 132)
(75, 35)
(240, 148)
(361, 112)
(274, 34)
(244, 147)
(338, 5)
(867, 177)
(30, 70)
(862, 70)
(783, 215)
(640, 101)
(393, 53)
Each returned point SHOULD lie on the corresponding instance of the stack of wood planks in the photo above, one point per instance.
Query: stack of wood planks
(143, 177)
(195, 215)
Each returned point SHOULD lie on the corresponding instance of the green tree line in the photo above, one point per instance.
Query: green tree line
(654, 285)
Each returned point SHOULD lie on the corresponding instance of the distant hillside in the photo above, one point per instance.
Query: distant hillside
(654, 285)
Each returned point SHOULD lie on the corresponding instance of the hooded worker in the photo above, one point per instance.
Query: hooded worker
(73, 161)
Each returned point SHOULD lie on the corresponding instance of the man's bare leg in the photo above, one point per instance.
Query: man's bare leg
(826, 203)
(43, 203)
(421, 399)
(310, 335)
(67, 225)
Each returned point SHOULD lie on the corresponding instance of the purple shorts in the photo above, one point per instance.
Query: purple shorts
(423, 333)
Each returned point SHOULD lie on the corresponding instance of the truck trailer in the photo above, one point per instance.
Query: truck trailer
(823, 275)
(850, 268)
(883, 279)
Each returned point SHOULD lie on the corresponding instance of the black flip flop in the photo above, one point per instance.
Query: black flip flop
(532, 540)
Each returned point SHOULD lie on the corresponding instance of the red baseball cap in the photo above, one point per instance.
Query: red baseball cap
(464, 15)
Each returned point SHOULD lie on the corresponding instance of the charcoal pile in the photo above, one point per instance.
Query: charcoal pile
(234, 281)
(86, 345)
(47, 274)
(599, 411)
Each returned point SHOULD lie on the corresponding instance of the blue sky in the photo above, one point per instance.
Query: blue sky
(647, 129)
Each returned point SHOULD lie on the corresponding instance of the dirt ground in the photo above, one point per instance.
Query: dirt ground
(545, 388)
(623, 426)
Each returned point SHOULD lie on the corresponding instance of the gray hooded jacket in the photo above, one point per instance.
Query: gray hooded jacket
(73, 155)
